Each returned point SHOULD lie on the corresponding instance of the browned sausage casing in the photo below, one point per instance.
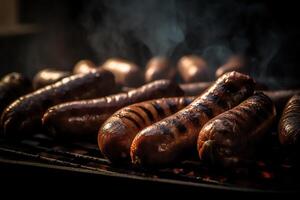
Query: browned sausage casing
(194, 89)
(116, 134)
(289, 125)
(12, 86)
(82, 119)
(126, 73)
(167, 140)
(231, 136)
(24, 115)
(159, 68)
(234, 63)
(193, 69)
(48, 76)
(84, 67)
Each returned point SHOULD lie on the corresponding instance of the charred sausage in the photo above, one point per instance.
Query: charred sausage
(126, 73)
(159, 68)
(116, 134)
(24, 115)
(82, 119)
(84, 67)
(12, 86)
(193, 69)
(47, 77)
(230, 137)
(289, 124)
(234, 63)
(167, 140)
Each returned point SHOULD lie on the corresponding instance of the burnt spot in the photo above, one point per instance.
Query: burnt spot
(181, 127)
(172, 107)
(133, 121)
(148, 113)
(160, 111)
(208, 111)
(194, 120)
(217, 100)
(166, 131)
(137, 114)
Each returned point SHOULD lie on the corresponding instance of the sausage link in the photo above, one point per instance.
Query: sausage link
(234, 63)
(126, 73)
(84, 67)
(159, 68)
(23, 116)
(193, 69)
(116, 134)
(167, 140)
(48, 76)
(12, 86)
(82, 119)
(289, 124)
(231, 136)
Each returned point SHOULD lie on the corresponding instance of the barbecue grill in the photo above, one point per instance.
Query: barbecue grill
(274, 170)
(271, 172)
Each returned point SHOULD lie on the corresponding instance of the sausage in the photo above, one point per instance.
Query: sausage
(159, 68)
(116, 134)
(126, 73)
(48, 76)
(23, 116)
(84, 67)
(281, 97)
(193, 68)
(234, 63)
(12, 86)
(289, 124)
(231, 136)
(168, 140)
(82, 119)
(193, 89)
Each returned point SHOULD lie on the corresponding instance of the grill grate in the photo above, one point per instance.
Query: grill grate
(275, 172)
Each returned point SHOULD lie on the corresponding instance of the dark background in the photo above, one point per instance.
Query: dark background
(63, 38)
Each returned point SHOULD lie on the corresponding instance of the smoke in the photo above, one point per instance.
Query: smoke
(148, 25)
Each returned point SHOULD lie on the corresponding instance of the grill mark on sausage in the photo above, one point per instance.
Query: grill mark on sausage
(148, 112)
(160, 111)
(172, 107)
(132, 120)
(206, 110)
(181, 127)
(217, 100)
(137, 114)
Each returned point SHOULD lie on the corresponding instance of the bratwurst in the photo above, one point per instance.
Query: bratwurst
(82, 119)
(116, 134)
(24, 115)
(167, 140)
(231, 136)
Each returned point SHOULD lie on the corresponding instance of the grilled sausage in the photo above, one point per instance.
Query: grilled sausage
(281, 97)
(234, 63)
(193, 69)
(230, 137)
(167, 140)
(24, 115)
(12, 86)
(126, 73)
(159, 68)
(47, 77)
(289, 124)
(82, 119)
(116, 134)
(84, 67)
(194, 89)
